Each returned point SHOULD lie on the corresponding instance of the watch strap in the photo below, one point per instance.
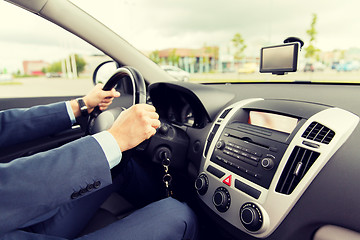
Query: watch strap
(83, 107)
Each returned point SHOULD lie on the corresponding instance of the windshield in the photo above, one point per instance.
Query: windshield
(221, 40)
(207, 41)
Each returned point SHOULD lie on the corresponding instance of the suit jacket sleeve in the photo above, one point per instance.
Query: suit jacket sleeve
(20, 125)
(34, 185)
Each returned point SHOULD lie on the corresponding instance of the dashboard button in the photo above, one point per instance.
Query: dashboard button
(236, 150)
(227, 180)
(247, 160)
(257, 154)
(215, 171)
(227, 152)
(258, 176)
(238, 147)
(246, 150)
(241, 168)
(247, 189)
(273, 149)
(310, 144)
(244, 154)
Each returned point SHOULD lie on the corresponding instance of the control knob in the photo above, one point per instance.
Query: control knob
(163, 129)
(221, 199)
(220, 145)
(251, 217)
(267, 163)
(202, 184)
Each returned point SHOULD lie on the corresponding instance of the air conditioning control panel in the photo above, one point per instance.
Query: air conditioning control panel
(262, 155)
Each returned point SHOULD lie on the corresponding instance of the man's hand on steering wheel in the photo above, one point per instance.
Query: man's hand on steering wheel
(132, 126)
(99, 97)
(96, 97)
(135, 125)
(129, 127)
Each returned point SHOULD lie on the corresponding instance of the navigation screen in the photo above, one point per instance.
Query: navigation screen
(273, 121)
(281, 58)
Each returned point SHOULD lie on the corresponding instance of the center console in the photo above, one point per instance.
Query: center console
(261, 155)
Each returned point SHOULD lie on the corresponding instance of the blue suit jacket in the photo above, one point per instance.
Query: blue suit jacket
(31, 188)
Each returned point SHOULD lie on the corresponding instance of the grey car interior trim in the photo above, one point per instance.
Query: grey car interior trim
(330, 232)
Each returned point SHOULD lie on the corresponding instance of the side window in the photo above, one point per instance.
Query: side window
(38, 58)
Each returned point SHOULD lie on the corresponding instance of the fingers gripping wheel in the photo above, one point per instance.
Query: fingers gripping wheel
(99, 123)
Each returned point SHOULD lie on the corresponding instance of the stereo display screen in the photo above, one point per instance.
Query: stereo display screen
(273, 121)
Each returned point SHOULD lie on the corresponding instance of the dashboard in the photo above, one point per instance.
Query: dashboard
(180, 112)
(252, 175)
(258, 156)
(178, 107)
(185, 104)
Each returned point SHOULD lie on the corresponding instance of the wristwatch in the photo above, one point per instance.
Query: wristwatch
(83, 107)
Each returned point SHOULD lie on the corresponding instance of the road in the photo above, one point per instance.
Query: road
(41, 86)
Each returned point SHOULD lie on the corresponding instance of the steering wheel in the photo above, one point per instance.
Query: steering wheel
(99, 120)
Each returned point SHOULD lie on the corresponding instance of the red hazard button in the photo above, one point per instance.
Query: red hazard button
(227, 180)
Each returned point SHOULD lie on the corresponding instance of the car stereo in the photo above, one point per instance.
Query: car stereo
(254, 148)
(250, 156)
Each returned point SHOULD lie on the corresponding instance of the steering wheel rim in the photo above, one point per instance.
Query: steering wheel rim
(139, 92)
(139, 88)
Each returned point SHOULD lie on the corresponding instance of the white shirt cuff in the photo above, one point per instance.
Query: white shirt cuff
(70, 112)
(110, 147)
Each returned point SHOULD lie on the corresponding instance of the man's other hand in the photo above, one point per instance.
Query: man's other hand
(99, 97)
(135, 125)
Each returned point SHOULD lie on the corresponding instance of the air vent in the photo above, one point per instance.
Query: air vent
(318, 133)
(299, 163)
(223, 115)
(210, 138)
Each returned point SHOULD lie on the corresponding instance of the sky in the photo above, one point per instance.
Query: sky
(160, 24)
